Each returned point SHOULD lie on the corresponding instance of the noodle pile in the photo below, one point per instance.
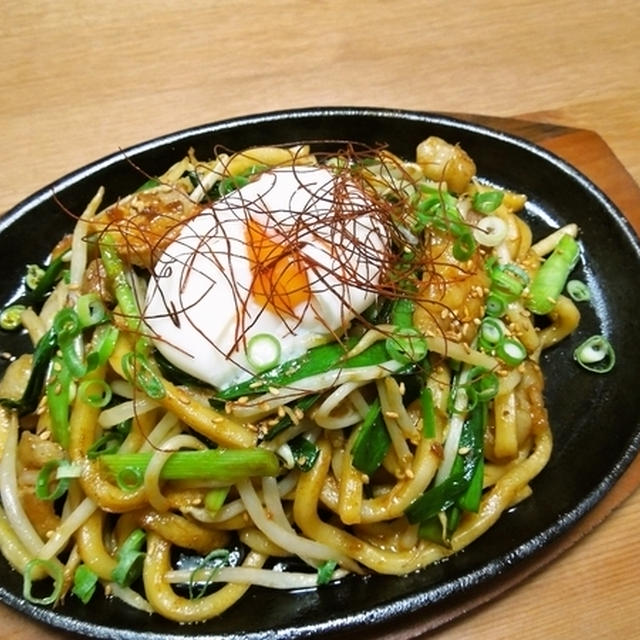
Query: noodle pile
(393, 444)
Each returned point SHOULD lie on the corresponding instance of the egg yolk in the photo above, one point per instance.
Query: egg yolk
(280, 281)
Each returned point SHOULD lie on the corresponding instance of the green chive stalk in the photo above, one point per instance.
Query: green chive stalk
(222, 465)
(550, 280)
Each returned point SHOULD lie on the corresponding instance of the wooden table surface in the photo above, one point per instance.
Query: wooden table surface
(79, 80)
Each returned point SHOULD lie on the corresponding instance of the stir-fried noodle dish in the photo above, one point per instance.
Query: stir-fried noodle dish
(277, 367)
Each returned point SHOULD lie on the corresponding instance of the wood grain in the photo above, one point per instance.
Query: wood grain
(80, 79)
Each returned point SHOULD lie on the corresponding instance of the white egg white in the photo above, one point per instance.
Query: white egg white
(199, 309)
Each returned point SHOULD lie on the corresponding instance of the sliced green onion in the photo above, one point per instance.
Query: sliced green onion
(66, 324)
(95, 393)
(490, 333)
(326, 357)
(51, 274)
(85, 582)
(33, 276)
(109, 442)
(211, 563)
(44, 351)
(460, 399)
(436, 499)
(485, 386)
(325, 572)
(470, 499)
(511, 351)
(433, 530)
(305, 453)
(130, 559)
(138, 371)
(56, 573)
(490, 231)
(596, 354)
(428, 413)
(10, 317)
(231, 183)
(463, 246)
(552, 275)
(151, 183)
(372, 441)
(578, 291)
(91, 310)
(44, 479)
(509, 280)
(487, 201)
(103, 345)
(263, 352)
(406, 345)
(214, 499)
(58, 393)
(495, 305)
(117, 274)
(402, 313)
(129, 478)
(470, 459)
(223, 465)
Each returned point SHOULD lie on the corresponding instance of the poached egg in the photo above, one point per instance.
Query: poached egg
(294, 255)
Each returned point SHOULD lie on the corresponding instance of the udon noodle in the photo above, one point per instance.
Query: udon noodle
(161, 443)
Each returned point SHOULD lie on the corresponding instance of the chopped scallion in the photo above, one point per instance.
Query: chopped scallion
(91, 310)
(45, 478)
(305, 453)
(490, 231)
(10, 317)
(139, 372)
(511, 351)
(407, 345)
(210, 565)
(54, 570)
(487, 201)
(325, 572)
(490, 333)
(578, 291)
(428, 413)
(596, 354)
(263, 352)
(371, 442)
(84, 583)
(33, 276)
(214, 499)
(96, 393)
(130, 558)
(223, 465)
(550, 279)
